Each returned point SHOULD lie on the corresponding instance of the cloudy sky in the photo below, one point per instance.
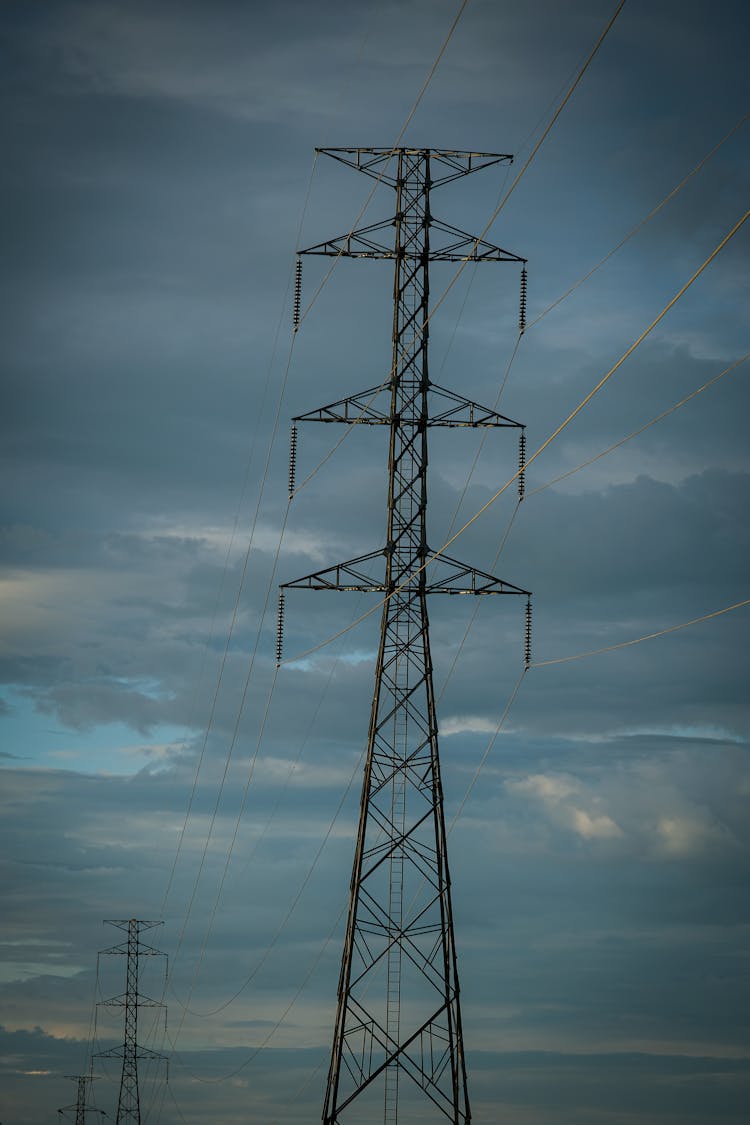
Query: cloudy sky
(158, 175)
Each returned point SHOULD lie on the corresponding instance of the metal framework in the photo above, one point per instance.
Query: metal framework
(398, 1043)
(130, 1051)
(79, 1107)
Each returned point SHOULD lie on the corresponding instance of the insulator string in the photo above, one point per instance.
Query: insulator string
(522, 306)
(297, 293)
(522, 464)
(280, 630)
(527, 636)
(292, 460)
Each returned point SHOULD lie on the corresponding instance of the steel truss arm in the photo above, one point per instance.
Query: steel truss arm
(360, 410)
(143, 1001)
(464, 412)
(466, 247)
(348, 576)
(332, 577)
(463, 247)
(479, 581)
(374, 161)
(355, 410)
(139, 1052)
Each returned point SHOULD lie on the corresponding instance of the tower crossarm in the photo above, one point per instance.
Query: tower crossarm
(450, 164)
(463, 247)
(143, 950)
(457, 411)
(143, 1001)
(122, 1051)
(349, 576)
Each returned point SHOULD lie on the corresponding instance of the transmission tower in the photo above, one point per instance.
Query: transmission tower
(398, 1043)
(130, 1051)
(80, 1108)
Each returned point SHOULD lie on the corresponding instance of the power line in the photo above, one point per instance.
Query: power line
(568, 292)
(256, 1051)
(517, 179)
(228, 758)
(228, 555)
(263, 958)
(641, 429)
(639, 640)
(638, 226)
(394, 147)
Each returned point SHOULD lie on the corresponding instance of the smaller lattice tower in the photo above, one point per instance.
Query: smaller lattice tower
(79, 1108)
(130, 1051)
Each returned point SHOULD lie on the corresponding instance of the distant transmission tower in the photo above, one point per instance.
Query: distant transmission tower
(130, 1051)
(398, 1044)
(79, 1108)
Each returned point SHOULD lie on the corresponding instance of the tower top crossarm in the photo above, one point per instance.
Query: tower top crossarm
(133, 927)
(450, 163)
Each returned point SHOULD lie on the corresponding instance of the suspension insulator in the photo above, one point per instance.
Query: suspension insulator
(522, 309)
(280, 629)
(292, 460)
(521, 464)
(297, 293)
(527, 635)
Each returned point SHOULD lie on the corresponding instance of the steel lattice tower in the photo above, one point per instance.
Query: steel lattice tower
(130, 1051)
(79, 1108)
(398, 1043)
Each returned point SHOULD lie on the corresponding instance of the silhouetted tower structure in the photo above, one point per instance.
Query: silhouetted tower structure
(398, 1044)
(130, 1051)
(80, 1107)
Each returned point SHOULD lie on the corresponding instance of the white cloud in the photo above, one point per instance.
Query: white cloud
(466, 724)
(682, 836)
(545, 787)
(595, 827)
